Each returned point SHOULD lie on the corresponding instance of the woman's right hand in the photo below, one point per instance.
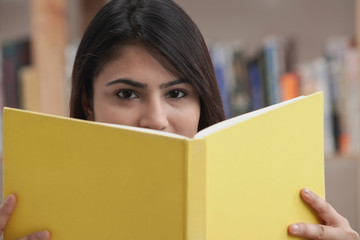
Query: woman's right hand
(5, 212)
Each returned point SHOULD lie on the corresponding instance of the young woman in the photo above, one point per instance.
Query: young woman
(144, 63)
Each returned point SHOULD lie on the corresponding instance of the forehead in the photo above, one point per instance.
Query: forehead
(134, 61)
(138, 48)
(131, 54)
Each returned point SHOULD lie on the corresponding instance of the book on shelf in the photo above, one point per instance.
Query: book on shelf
(256, 80)
(230, 65)
(259, 82)
(271, 75)
(314, 77)
(275, 66)
(336, 74)
(289, 85)
(16, 54)
(352, 107)
(240, 92)
(224, 76)
(342, 61)
(238, 179)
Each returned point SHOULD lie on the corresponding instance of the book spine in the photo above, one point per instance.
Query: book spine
(254, 74)
(321, 71)
(195, 203)
(240, 93)
(352, 116)
(273, 70)
(289, 84)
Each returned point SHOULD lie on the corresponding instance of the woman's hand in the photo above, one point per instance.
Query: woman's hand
(5, 212)
(335, 226)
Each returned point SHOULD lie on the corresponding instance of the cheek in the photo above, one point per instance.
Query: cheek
(194, 118)
(186, 121)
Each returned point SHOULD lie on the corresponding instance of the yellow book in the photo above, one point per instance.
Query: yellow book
(239, 179)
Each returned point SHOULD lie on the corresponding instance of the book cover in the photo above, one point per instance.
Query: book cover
(238, 179)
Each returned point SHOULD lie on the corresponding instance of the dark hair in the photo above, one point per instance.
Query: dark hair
(166, 31)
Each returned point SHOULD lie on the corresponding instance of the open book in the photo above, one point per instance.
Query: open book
(239, 179)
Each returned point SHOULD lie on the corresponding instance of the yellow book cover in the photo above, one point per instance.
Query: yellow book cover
(239, 179)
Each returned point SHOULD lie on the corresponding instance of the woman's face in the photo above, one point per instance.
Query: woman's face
(135, 90)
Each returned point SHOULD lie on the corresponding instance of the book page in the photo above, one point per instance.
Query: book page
(240, 118)
(130, 128)
(145, 130)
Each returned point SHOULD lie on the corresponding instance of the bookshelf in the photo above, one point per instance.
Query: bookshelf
(239, 23)
(311, 22)
(50, 26)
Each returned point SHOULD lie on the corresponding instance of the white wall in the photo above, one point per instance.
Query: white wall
(14, 19)
(342, 188)
(310, 22)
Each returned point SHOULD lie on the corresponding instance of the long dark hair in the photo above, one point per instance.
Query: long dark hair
(166, 31)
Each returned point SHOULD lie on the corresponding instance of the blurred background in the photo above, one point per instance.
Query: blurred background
(264, 52)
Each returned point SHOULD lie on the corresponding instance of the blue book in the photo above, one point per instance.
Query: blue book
(273, 70)
(256, 88)
(219, 58)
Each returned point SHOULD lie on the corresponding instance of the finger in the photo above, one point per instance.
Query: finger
(43, 235)
(5, 211)
(318, 232)
(323, 208)
(322, 232)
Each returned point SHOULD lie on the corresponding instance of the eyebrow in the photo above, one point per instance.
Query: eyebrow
(172, 83)
(143, 85)
(128, 82)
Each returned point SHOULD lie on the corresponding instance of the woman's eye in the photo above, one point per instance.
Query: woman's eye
(176, 94)
(126, 94)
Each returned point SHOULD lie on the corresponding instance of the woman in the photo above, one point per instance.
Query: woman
(144, 63)
(168, 35)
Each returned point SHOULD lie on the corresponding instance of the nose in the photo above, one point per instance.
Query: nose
(154, 115)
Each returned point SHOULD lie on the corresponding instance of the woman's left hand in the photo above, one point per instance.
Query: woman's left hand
(335, 226)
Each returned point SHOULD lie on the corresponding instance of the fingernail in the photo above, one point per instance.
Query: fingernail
(307, 192)
(41, 235)
(295, 228)
(8, 199)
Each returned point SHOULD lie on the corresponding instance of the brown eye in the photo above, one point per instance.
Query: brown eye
(176, 94)
(126, 94)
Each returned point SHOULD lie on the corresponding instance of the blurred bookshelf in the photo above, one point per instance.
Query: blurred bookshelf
(294, 48)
